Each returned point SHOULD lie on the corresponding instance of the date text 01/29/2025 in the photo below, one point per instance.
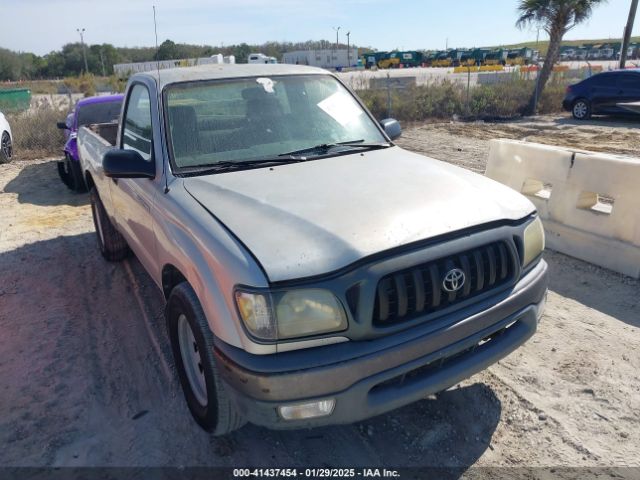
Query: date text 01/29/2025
(315, 472)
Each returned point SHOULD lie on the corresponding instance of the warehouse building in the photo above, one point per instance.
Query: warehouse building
(330, 58)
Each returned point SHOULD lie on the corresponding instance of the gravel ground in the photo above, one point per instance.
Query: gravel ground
(87, 377)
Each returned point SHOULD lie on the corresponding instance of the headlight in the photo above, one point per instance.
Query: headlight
(533, 241)
(291, 314)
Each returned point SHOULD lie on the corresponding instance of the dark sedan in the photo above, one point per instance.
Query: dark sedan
(605, 93)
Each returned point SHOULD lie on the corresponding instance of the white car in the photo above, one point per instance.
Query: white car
(261, 58)
(6, 149)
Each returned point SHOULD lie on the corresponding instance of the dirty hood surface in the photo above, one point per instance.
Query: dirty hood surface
(310, 218)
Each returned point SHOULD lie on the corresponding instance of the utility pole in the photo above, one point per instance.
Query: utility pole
(627, 33)
(337, 29)
(348, 51)
(84, 50)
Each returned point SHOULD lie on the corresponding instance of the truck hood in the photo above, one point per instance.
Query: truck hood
(305, 219)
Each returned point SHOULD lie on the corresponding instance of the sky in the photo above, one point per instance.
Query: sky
(40, 26)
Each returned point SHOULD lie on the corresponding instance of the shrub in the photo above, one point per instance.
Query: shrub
(500, 100)
(35, 133)
(446, 99)
(85, 83)
(551, 98)
(436, 100)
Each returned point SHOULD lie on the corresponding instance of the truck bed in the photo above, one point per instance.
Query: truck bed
(93, 142)
(108, 131)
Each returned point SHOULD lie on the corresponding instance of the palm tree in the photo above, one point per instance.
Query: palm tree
(556, 17)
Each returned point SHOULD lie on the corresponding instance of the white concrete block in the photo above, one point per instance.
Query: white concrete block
(589, 202)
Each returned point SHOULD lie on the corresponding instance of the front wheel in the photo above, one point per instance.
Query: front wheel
(192, 345)
(581, 109)
(6, 148)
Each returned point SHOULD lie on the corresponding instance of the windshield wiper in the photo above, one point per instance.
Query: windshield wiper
(229, 166)
(326, 147)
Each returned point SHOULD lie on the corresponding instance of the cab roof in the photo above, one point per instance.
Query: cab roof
(218, 72)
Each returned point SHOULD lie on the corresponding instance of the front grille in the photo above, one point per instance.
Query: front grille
(417, 291)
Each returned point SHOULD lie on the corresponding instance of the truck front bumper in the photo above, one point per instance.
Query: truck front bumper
(401, 368)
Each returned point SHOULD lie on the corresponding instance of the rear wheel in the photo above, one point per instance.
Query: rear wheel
(192, 345)
(6, 148)
(63, 172)
(581, 109)
(111, 243)
(71, 174)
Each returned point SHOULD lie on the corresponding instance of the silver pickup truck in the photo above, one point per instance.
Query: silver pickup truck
(314, 272)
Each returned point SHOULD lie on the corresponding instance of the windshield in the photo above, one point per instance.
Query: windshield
(257, 118)
(99, 113)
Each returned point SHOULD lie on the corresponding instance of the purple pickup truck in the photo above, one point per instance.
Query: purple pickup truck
(88, 111)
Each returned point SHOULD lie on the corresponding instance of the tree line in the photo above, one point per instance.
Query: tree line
(69, 60)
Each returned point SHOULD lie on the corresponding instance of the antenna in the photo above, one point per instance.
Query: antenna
(155, 30)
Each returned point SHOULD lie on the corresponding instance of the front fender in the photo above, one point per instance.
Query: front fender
(71, 147)
(213, 262)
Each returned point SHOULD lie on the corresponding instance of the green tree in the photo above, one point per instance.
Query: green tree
(167, 51)
(241, 52)
(556, 17)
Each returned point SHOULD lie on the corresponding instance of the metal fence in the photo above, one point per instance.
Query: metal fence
(463, 91)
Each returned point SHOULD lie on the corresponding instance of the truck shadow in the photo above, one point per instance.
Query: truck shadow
(39, 184)
(604, 290)
(448, 431)
(85, 337)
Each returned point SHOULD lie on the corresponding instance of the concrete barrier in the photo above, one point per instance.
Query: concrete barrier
(589, 202)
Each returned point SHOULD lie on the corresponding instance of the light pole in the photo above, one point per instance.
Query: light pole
(337, 29)
(627, 33)
(348, 51)
(84, 50)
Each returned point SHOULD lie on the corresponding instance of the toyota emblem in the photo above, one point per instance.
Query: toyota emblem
(453, 280)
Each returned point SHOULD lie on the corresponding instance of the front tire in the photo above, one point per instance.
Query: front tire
(111, 243)
(192, 345)
(6, 148)
(581, 109)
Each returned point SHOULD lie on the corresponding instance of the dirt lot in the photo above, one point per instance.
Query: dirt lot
(87, 378)
(466, 143)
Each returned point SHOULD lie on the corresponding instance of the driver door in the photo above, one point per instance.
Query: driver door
(133, 197)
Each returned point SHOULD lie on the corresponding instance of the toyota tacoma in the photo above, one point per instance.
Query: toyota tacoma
(314, 272)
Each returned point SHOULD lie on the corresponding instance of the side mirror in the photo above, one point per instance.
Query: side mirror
(118, 163)
(61, 125)
(391, 127)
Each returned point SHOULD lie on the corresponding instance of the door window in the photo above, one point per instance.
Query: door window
(603, 80)
(137, 134)
(629, 82)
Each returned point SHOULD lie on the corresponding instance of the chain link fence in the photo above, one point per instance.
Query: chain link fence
(35, 133)
(422, 94)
